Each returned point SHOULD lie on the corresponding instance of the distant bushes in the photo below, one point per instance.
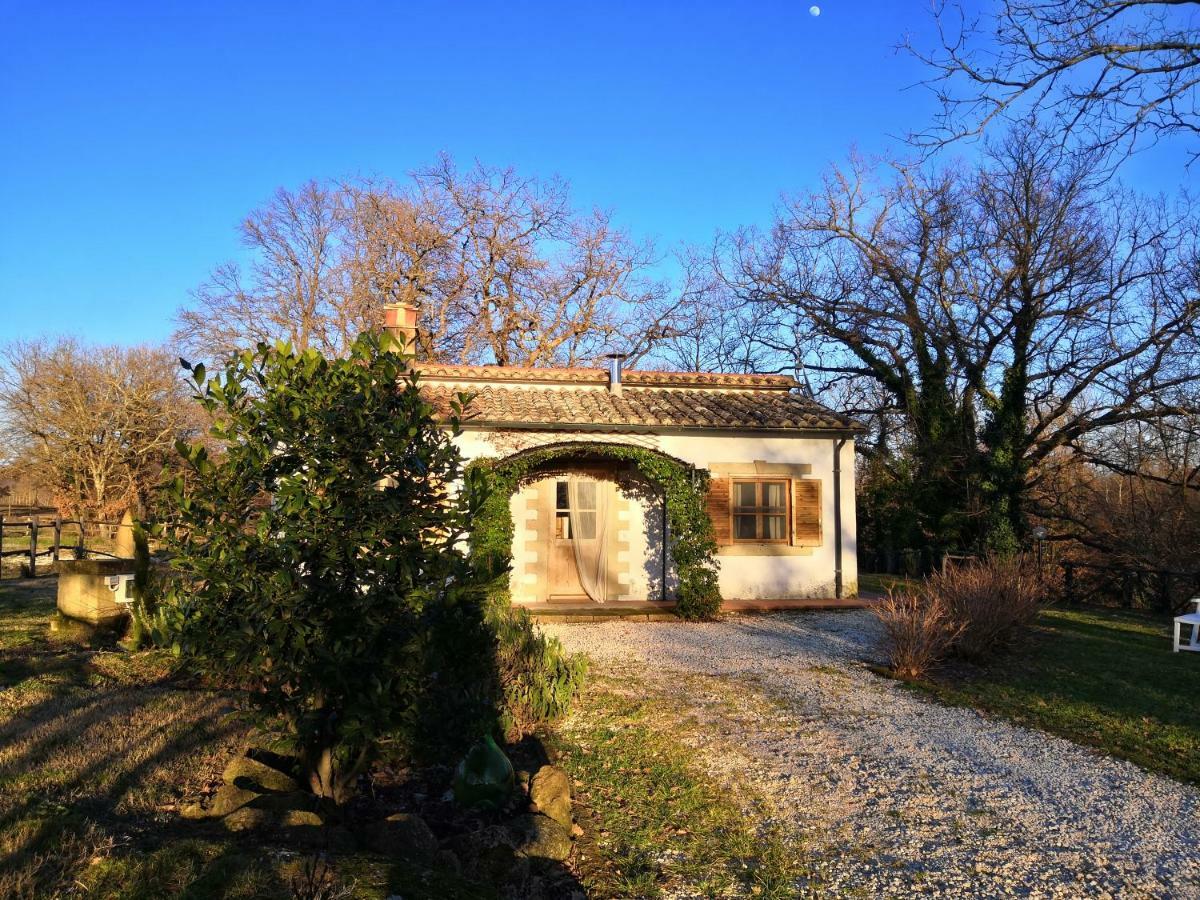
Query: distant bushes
(967, 611)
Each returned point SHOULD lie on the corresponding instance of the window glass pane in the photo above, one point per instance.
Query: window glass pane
(774, 528)
(744, 528)
(774, 496)
(562, 500)
(562, 525)
(587, 495)
(587, 526)
(743, 493)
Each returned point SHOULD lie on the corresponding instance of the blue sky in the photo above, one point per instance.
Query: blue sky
(134, 137)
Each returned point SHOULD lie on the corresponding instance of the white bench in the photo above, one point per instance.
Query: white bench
(1193, 619)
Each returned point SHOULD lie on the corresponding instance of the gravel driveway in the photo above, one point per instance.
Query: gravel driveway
(897, 795)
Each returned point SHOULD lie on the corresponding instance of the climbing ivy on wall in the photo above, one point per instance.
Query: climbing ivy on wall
(693, 544)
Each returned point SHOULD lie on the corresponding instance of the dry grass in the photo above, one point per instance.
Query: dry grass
(99, 748)
(970, 611)
(919, 630)
(994, 600)
(96, 749)
(656, 823)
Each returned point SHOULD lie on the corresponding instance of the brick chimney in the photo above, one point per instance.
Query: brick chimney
(400, 321)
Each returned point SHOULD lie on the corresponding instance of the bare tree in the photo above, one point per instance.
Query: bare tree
(94, 423)
(1001, 315)
(502, 268)
(540, 283)
(294, 289)
(866, 273)
(1130, 495)
(706, 328)
(1112, 73)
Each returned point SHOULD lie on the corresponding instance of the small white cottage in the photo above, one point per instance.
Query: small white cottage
(589, 526)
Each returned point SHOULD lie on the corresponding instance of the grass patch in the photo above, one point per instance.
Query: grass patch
(881, 584)
(653, 823)
(1104, 678)
(98, 749)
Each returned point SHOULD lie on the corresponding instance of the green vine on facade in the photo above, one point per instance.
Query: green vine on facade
(693, 545)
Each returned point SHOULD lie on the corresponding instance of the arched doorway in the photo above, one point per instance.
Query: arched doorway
(675, 562)
(589, 529)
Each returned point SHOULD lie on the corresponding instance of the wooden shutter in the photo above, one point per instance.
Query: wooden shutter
(806, 512)
(718, 509)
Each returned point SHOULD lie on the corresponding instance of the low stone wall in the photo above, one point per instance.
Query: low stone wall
(84, 594)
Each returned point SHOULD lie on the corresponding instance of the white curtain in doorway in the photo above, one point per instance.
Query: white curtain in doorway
(588, 511)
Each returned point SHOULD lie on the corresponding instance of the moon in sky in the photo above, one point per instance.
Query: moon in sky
(814, 10)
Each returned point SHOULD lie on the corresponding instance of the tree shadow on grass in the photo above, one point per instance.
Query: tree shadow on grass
(93, 770)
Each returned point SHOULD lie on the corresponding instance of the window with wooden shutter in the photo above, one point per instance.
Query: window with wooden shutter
(718, 508)
(760, 510)
(806, 512)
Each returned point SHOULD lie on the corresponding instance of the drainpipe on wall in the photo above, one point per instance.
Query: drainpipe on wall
(838, 444)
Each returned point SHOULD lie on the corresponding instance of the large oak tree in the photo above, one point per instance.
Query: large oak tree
(1111, 74)
(94, 423)
(989, 318)
(501, 266)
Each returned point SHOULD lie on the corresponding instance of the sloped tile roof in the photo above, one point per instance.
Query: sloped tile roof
(643, 378)
(579, 398)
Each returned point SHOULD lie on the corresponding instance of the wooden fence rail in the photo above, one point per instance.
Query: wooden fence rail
(34, 527)
(1163, 590)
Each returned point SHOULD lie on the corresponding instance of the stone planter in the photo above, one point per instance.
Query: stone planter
(84, 590)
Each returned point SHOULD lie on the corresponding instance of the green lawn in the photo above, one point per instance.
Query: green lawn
(880, 584)
(1105, 678)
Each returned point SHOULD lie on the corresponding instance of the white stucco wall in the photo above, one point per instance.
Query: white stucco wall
(742, 576)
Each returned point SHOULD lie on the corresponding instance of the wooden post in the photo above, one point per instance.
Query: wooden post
(80, 546)
(33, 530)
(1069, 582)
(1127, 588)
(1164, 590)
(57, 537)
(1, 546)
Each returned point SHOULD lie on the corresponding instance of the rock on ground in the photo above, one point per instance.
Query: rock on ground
(250, 774)
(551, 791)
(894, 794)
(539, 836)
(401, 835)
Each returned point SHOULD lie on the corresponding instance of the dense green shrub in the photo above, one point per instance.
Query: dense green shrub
(539, 678)
(319, 558)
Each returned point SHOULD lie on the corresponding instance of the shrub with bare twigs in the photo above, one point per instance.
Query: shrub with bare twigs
(969, 611)
(993, 599)
(919, 630)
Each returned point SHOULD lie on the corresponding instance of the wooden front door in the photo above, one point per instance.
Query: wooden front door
(562, 575)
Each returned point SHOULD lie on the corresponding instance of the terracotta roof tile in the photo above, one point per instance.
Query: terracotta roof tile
(643, 378)
(712, 406)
